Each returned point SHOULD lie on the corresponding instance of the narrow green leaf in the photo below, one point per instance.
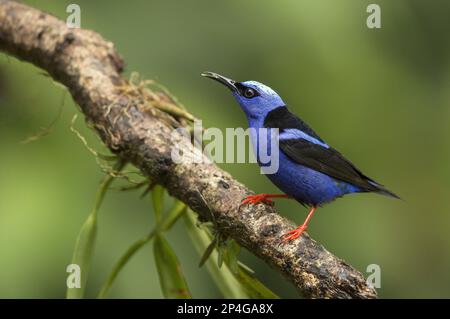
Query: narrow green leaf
(173, 284)
(228, 285)
(209, 250)
(84, 247)
(158, 201)
(82, 254)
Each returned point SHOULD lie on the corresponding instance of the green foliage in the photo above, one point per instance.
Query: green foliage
(222, 276)
(84, 247)
(165, 224)
(233, 279)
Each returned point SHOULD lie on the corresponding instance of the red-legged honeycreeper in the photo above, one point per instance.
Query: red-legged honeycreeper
(310, 171)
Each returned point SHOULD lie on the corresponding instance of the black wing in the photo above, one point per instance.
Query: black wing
(282, 119)
(325, 160)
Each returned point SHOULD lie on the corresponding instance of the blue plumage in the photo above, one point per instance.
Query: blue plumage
(293, 133)
(304, 184)
(310, 171)
(307, 185)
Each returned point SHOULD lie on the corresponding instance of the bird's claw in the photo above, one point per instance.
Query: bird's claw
(259, 198)
(293, 234)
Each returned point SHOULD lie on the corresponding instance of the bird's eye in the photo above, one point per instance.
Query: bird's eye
(249, 93)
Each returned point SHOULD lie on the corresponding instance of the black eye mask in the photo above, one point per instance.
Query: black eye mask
(246, 92)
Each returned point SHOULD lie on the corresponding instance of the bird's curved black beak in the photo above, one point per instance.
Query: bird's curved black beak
(229, 83)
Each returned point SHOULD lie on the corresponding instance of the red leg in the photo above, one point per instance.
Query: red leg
(262, 198)
(300, 229)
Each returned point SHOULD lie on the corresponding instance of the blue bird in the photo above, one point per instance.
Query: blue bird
(310, 171)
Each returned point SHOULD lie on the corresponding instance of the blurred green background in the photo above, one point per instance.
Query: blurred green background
(379, 96)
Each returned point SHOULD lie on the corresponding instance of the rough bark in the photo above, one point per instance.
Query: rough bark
(90, 68)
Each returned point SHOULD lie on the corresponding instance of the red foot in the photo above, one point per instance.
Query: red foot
(260, 198)
(300, 229)
(293, 234)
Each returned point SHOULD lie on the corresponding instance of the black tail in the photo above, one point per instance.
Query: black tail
(380, 189)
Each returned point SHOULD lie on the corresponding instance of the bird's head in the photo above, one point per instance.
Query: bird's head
(256, 99)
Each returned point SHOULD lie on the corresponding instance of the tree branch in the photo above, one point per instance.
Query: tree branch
(91, 70)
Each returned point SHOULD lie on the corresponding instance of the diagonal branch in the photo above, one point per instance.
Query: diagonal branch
(91, 70)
